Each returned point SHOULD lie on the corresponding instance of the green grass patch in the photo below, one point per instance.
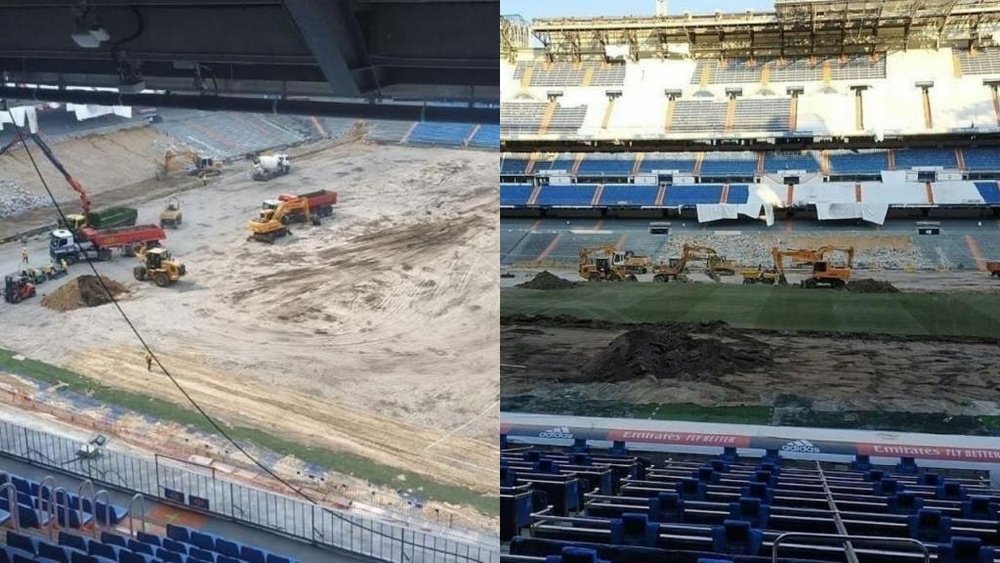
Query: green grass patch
(340, 462)
(769, 307)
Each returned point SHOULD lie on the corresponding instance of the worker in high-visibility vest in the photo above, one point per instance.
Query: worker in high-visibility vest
(149, 362)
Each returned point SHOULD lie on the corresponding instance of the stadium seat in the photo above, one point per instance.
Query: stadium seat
(965, 550)
(907, 466)
(979, 508)
(22, 542)
(904, 503)
(202, 540)
(79, 557)
(887, 487)
(170, 556)
(53, 552)
(227, 547)
(765, 477)
(199, 554)
(114, 539)
(634, 529)
(102, 549)
(736, 537)
(950, 490)
(252, 554)
(174, 545)
(72, 540)
(126, 556)
(929, 479)
(580, 445)
(771, 456)
(151, 539)
(140, 547)
(758, 491)
(929, 525)
(771, 467)
(178, 533)
(874, 475)
(541, 466)
(575, 555)
(691, 489)
(226, 559)
(707, 475)
(272, 558)
(666, 507)
(729, 455)
(861, 463)
(719, 466)
(750, 510)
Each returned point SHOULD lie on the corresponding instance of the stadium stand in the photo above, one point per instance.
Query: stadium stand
(795, 70)
(579, 195)
(856, 162)
(445, 134)
(486, 137)
(983, 61)
(581, 502)
(568, 74)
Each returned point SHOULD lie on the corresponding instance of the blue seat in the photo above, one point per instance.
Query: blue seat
(929, 479)
(874, 475)
(750, 510)
(226, 559)
(126, 556)
(546, 466)
(24, 543)
(904, 503)
(758, 491)
(20, 557)
(102, 549)
(80, 557)
(691, 489)
(140, 547)
(178, 533)
(273, 558)
(114, 539)
(861, 463)
(736, 537)
(765, 477)
(227, 547)
(950, 490)
(72, 540)
(887, 487)
(707, 475)
(202, 540)
(22, 485)
(151, 539)
(174, 545)
(666, 507)
(28, 517)
(575, 555)
(252, 554)
(170, 556)
(979, 508)
(771, 467)
(719, 466)
(929, 525)
(53, 552)
(111, 513)
(634, 529)
(965, 550)
(201, 554)
(907, 466)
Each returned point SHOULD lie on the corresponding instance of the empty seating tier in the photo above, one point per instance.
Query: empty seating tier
(582, 504)
(570, 196)
(515, 194)
(588, 73)
(795, 70)
(985, 61)
(858, 162)
(449, 134)
(909, 158)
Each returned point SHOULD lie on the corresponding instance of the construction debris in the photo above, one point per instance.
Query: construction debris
(869, 285)
(683, 353)
(15, 200)
(82, 291)
(547, 280)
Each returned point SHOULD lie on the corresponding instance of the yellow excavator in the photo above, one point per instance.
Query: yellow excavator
(156, 265)
(607, 263)
(196, 165)
(824, 271)
(277, 214)
(716, 266)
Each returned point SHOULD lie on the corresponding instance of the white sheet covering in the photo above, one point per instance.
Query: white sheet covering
(872, 212)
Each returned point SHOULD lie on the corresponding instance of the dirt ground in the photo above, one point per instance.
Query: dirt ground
(864, 373)
(375, 331)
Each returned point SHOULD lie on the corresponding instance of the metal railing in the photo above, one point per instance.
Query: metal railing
(250, 506)
(844, 539)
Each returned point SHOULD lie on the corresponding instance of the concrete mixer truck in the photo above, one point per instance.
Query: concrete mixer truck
(265, 167)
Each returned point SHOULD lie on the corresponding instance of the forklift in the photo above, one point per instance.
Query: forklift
(17, 289)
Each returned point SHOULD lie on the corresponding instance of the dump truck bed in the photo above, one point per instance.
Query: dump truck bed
(123, 236)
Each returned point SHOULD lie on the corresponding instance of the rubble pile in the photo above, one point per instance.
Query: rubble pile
(15, 200)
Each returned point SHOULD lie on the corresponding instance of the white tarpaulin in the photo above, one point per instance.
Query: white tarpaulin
(717, 212)
(871, 212)
(956, 193)
(88, 111)
(22, 115)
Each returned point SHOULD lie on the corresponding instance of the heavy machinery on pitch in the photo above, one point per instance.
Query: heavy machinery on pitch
(277, 214)
(716, 266)
(607, 263)
(265, 167)
(197, 165)
(157, 265)
(17, 289)
(824, 272)
(172, 216)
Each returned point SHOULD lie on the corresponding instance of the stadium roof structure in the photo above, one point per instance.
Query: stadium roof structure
(796, 28)
(338, 54)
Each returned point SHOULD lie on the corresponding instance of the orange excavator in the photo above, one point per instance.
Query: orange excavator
(716, 266)
(824, 271)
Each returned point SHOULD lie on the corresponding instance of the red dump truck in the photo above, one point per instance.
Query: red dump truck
(98, 244)
(321, 202)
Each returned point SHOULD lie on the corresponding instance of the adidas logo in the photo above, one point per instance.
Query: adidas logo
(804, 446)
(561, 432)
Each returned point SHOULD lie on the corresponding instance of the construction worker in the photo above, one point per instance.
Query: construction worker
(149, 362)
(65, 266)
(24, 255)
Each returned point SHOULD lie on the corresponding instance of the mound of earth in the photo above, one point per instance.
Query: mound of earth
(709, 351)
(82, 291)
(547, 280)
(869, 285)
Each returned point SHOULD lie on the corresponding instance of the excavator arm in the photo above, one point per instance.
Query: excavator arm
(73, 183)
(847, 251)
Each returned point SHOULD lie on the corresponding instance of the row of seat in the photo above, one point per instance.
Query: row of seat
(623, 195)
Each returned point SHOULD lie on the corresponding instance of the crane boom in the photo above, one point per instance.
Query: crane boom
(73, 183)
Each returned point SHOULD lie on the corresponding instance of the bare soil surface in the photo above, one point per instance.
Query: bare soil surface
(83, 291)
(609, 361)
(374, 332)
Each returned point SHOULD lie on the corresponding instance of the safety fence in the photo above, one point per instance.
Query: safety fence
(201, 489)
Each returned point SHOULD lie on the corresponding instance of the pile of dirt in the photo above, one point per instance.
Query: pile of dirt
(547, 280)
(869, 285)
(82, 291)
(704, 354)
